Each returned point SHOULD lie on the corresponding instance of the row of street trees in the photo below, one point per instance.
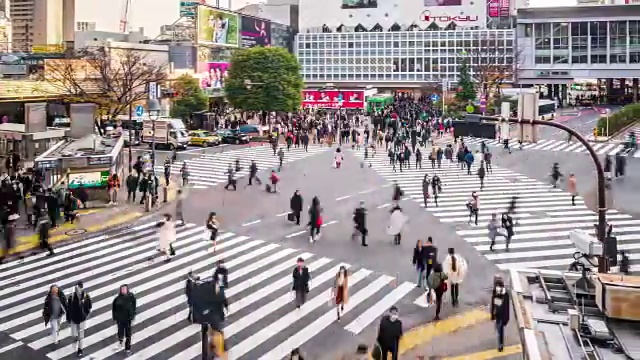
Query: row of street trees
(260, 79)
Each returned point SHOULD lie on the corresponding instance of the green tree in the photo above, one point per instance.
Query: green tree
(466, 91)
(264, 79)
(190, 97)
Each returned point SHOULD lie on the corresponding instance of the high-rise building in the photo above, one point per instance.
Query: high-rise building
(45, 24)
(85, 26)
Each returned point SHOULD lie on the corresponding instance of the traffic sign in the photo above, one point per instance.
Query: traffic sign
(435, 97)
(139, 110)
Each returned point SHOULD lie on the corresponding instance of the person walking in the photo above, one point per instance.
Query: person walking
(481, 174)
(455, 268)
(212, 226)
(123, 312)
(301, 278)
(113, 186)
(500, 309)
(473, 205)
(340, 290)
(55, 306)
(389, 334)
(253, 173)
(360, 222)
(437, 282)
(572, 187)
(221, 275)
(44, 227)
(337, 158)
(78, 309)
(166, 236)
(419, 262)
(184, 173)
(507, 225)
(315, 219)
(396, 224)
(190, 285)
(494, 231)
(295, 204)
(132, 187)
(425, 189)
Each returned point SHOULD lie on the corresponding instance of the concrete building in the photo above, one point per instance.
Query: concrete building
(88, 38)
(5, 34)
(41, 23)
(85, 26)
(285, 14)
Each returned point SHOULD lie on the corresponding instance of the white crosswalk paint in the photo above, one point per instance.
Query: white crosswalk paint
(555, 145)
(544, 215)
(259, 293)
(208, 170)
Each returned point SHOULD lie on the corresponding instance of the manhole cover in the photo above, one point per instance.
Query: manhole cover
(75, 232)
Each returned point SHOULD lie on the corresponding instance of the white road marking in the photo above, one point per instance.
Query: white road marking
(251, 223)
(283, 214)
(10, 347)
(383, 206)
(343, 197)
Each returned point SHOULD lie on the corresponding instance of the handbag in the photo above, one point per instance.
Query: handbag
(172, 250)
(319, 222)
(290, 216)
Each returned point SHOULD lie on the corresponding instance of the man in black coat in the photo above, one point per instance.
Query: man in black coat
(389, 334)
(301, 278)
(296, 206)
(78, 309)
(500, 309)
(123, 312)
(360, 220)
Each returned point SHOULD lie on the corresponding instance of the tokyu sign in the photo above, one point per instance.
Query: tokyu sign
(446, 19)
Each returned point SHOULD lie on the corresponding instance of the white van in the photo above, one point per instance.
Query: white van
(169, 133)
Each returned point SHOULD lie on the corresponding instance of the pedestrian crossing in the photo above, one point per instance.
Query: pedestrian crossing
(261, 323)
(544, 215)
(607, 148)
(208, 170)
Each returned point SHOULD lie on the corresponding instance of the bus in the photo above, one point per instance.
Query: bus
(378, 101)
(546, 109)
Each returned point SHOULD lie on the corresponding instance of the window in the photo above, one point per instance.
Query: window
(543, 36)
(618, 42)
(580, 42)
(543, 59)
(598, 33)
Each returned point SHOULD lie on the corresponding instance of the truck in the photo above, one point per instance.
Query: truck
(169, 133)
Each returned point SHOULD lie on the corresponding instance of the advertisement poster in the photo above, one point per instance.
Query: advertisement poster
(255, 32)
(89, 180)
(217, 27)
(215, 76)
(498, 8)
(334, 99)
(359, 4)
(430, 3)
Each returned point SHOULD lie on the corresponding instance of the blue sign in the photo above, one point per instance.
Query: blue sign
(139, 110)
(435, 97)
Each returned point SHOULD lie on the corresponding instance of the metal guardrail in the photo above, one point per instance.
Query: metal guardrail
(526, 328)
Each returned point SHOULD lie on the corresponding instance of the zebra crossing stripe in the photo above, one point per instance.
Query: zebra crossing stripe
(260, 276)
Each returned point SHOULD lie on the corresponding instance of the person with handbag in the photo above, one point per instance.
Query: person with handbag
(455, 267)
(212, 225)
(437, 282)
(315, 219)
(295, 204)
(340, 290)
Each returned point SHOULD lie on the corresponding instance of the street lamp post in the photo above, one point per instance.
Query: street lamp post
(603, 265)
(153, 107)
(130, 139)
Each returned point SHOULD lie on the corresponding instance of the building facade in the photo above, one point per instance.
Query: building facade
(400, 58)
(41, 23)
(561, 45)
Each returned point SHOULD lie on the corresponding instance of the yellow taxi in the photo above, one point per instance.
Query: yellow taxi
(204, 138)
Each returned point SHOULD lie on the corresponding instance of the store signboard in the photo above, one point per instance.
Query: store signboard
(333, 99)
(498, 8)
(89, 179)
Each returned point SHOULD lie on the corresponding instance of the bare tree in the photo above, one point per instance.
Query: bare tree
(111, 78)
(492, 65)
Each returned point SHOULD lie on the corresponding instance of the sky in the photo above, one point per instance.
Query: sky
(151, 14)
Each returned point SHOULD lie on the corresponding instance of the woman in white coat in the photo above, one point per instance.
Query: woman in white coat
(396, 224)
(455, 267)
(337, 158)
(166, 236)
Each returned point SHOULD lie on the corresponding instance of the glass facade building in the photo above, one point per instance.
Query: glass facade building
(585, 42)
(399, 57)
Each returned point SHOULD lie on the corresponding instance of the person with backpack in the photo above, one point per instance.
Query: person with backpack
(437, 282)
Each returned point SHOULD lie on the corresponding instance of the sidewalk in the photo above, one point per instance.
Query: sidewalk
(98, 217)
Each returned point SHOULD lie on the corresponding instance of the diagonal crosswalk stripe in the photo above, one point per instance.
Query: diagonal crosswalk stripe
(544, 215)
(209, 170)
(260, 319)
(554, 145)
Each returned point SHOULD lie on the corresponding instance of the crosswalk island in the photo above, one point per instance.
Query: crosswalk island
(544, 215)
(208, 170)
(262, 322)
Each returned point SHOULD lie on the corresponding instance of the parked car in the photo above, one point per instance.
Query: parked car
(233, 137)
(204, 138)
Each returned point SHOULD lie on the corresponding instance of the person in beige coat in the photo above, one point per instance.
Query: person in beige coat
(455, 267)
(340, 290)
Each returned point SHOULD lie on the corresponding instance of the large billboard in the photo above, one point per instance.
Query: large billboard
(218, 27)
(254, 32)
(214, 75)
(359, 4)
(498, 8)
(333, 99)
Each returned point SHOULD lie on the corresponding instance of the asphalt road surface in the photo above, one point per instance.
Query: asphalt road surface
(260, 249)
(582, 120)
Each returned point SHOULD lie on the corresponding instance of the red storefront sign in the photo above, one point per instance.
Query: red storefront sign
(333, 99)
